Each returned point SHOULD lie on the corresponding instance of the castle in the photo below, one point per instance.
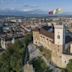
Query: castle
(56, 39)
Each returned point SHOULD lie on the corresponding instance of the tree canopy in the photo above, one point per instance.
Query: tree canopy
(40, 65)
(69, 66)
(12, 59)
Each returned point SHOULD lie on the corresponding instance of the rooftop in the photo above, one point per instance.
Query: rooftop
(68, 39)
(49, 32)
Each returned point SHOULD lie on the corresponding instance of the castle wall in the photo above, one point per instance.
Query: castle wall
(36, 38)
(48, 43)
(45, 41)
(56, 55)
(58, 58)
(65, 59)
(41, 40)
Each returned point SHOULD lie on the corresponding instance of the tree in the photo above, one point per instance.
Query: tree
(27, 39)
(12, 59)
(40, 65)
(69, 66)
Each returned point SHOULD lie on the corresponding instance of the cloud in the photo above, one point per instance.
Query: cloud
(26, 9)
(6, 1)
(29, 7)
(20, 7)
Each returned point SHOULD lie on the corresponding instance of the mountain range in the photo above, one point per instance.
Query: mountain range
(28, 13)
(23, 13)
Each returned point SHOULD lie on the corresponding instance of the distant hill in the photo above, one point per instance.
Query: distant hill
(23, 13)
(34, 13)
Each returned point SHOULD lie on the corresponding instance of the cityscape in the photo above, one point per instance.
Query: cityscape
(35, 36)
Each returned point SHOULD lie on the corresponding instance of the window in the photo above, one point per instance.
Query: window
(36, 42)
(65, 61)
(47, 38)
(58, 45)
(60, 56)
(58, 50)
(43, 37)
(58, 36)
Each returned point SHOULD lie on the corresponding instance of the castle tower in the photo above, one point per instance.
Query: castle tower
(59, 43)
(59, 36)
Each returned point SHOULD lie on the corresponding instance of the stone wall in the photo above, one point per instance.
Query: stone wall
(36, 38)
(58, 58)
(65, 59)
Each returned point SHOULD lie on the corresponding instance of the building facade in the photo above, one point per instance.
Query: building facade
(55, 39)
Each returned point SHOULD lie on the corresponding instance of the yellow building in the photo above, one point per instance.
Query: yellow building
(55, 39)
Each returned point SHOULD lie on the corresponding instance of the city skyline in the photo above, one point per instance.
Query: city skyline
(29, 5)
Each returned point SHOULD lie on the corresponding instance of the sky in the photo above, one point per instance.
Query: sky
(44, 5)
